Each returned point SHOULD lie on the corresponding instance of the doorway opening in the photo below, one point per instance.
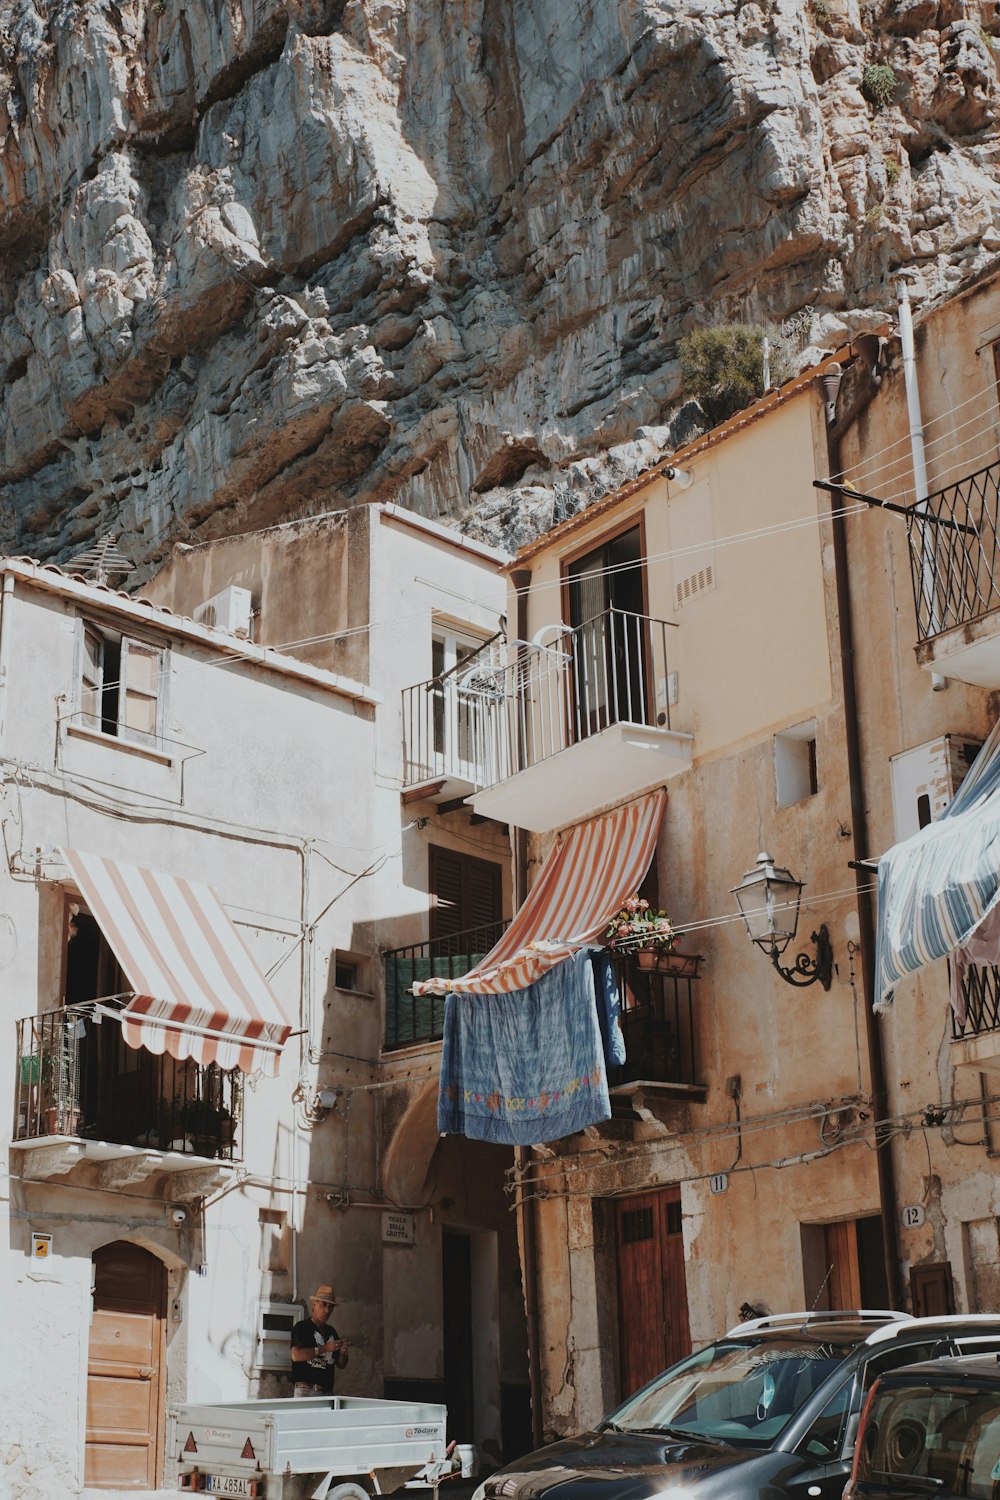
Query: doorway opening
(652, 1287)
(126, 1369)
(843, 1264)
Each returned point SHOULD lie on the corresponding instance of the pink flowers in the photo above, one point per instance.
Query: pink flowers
(636, 925)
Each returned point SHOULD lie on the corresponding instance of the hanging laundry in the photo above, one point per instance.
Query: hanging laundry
(527, 1066)
(609, 1007)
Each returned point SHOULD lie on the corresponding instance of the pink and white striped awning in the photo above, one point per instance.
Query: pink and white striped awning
(198, 991)
(591, 871)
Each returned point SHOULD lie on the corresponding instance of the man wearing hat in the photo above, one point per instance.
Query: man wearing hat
(318, 1351)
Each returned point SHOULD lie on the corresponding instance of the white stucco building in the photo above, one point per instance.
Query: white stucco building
(167, 1213)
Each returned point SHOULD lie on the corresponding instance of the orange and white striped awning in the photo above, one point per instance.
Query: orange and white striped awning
(198, 991)
(591, 871)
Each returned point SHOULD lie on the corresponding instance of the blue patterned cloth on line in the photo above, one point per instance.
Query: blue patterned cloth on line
(529, 1066)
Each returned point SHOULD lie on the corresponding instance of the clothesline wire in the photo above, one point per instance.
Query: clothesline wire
(931, 422)
(776, 529)
(966, 463)
(865, 466)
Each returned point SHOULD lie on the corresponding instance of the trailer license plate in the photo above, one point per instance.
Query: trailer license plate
(227, 1484)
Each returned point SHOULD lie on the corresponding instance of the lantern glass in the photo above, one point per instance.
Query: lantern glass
(768, 898)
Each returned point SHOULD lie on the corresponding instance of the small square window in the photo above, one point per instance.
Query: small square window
(351, 972)
(795, 771)
(345, 975)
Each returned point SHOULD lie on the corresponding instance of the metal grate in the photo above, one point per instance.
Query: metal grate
(658, 1023)
(955, 553)
(637, 1224)
(981, 988)
(697, 583)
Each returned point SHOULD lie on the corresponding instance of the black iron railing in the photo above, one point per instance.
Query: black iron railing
(77, 1077)
(955, 553)
(981, 988)
(658, 1022)
(413, 1018)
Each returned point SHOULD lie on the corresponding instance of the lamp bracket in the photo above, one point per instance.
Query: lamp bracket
(806, 970)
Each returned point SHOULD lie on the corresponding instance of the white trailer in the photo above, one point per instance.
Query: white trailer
(324, 1447)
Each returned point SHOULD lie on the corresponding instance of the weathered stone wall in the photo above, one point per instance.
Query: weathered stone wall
(266, 257)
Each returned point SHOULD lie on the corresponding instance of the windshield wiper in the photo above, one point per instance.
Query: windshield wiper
(677, 1435)
(907, 1481)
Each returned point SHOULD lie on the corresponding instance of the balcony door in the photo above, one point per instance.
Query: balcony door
(126, 1369)
(652, 1288)
(606, 604)
(455, 711)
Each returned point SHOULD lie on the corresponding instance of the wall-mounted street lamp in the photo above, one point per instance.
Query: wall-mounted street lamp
(768, 898)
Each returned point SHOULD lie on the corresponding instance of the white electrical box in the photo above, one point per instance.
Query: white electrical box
(925, 779)
(231, 610)
(275, 1321)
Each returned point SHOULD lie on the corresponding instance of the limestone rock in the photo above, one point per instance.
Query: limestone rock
(276, 256)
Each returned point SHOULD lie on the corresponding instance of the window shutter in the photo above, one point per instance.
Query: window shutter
(446, 891)
(467, 892)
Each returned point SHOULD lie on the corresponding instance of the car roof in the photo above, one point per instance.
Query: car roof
(974, 1367)
(867, 1326)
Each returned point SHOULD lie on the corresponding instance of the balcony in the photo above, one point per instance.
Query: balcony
(658, 1020)
(411, 1018)
(448, 730)
(82, 1094)
(578, 725)
(976, 1040)
(955, 570)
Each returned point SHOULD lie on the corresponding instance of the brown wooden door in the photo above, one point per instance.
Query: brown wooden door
(125, 1371)
(652, 1288)
(841, 1247)
(932, 1290)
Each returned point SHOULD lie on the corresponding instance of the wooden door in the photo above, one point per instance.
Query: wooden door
(125, 1371)
(457, 1333)
(652, 1288)
(932, 1290)
(841, 1247)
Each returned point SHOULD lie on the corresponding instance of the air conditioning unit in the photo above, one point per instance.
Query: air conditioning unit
(230, 610)
(925, 779)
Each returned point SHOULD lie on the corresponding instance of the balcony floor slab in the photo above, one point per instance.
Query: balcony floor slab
(605, 769)
(969, 653)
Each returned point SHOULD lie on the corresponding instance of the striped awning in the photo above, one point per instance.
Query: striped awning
(936, 888)
(591, 871)
(198, 991)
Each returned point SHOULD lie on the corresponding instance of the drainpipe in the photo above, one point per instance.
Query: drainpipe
(5, 601)
(868, 348)
(919, 461)
(521, 579)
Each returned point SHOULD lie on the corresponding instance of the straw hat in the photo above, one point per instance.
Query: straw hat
(324, 1294)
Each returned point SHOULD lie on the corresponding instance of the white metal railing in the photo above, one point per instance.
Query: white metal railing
(492, 718)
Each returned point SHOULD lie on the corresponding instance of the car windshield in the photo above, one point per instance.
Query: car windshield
(742, 1392)
(943, 1440)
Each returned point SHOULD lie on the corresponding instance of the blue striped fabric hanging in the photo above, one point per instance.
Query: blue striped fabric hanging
(934, 889)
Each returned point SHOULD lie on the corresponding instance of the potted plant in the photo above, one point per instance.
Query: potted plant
(639, 928)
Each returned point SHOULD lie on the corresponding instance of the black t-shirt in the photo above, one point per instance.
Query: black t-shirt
(320, 1371)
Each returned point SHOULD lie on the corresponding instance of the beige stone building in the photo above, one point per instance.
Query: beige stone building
(725, 629)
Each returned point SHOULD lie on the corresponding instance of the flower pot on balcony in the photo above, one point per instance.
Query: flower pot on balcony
(681, 965)
(647, 957)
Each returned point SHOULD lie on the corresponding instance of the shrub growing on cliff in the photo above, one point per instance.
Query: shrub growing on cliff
(878, 84)
(723, 367)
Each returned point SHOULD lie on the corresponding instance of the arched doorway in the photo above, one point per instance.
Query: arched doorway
(126, 1369)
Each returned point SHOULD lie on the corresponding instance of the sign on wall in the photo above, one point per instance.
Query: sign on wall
(397, 1229)
(912, 1216)
(41, 1246)
(719, 1182)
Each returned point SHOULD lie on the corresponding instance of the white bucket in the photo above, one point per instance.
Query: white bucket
(468, 1458)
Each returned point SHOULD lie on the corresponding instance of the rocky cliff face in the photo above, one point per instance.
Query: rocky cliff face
(267, 257)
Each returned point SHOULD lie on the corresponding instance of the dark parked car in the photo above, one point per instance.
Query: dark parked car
(931, 1429)
(772, 1409)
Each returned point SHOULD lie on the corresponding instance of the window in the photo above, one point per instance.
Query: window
(465, 895)
(121, 685)
(795, 764)
(454, 723)
(350, 972)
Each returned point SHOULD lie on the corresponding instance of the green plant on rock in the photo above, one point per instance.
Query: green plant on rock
(875, 217)
(723, 367)
(821, 10)
(879, 84)
(892, 170)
